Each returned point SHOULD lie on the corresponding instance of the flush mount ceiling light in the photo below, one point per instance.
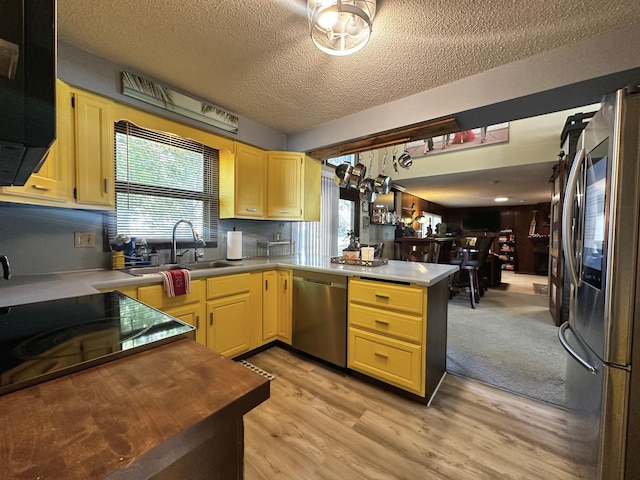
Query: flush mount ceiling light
(500, 199)
(341, 27)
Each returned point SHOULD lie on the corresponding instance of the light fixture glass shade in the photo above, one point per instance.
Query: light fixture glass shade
(341, 27)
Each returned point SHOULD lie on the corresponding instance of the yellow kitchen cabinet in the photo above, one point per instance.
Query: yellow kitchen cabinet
(189, 308)
(194, 315)
(270, 302)
(228, 331)
(273, 185)
(285, 304)
(79, 170)
(276, 305)
(52, 184)
(387, 331)
(242, 183)
(94, 157)
(284, 185)
(293, 186)
(234, 313)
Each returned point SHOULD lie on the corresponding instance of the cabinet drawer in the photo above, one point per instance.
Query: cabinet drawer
(155, 295)
(403, 326)
(392, 361)
(227, 285)
(387, 295)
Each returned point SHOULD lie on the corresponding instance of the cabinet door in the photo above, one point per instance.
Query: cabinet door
(53, 182)
(193, 314)
(94, 150)
(285, 299)
(270, 300)
(227, 318)
(284, 185)
(249, 181)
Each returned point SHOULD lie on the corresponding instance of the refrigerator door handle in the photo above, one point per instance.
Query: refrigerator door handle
(567, 213)
(571, 351)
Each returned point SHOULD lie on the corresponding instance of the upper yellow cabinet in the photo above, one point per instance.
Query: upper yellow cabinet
(94, 149)
(269, 185)
(52, 184)
(242, 183)
(284, 185)
(78, 170)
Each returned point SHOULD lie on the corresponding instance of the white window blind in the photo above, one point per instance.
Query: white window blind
(160, 179)
(320, 238)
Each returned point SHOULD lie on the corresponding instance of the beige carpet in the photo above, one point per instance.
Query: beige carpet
(508, 341)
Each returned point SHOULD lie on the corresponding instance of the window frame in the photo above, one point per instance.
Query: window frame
(209, 195)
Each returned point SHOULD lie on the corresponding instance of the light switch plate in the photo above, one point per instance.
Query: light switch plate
(84, 239)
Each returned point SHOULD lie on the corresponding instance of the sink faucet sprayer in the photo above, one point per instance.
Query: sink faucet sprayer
(196, 239)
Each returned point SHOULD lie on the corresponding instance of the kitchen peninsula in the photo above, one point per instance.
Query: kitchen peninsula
(174, 411)
(165, 410)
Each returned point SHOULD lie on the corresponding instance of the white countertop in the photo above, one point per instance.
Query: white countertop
(36, 288)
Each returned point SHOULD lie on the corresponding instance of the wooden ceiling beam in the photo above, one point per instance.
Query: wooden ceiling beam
(410, 133)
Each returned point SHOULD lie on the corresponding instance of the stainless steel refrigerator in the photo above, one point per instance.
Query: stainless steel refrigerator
(602, 336)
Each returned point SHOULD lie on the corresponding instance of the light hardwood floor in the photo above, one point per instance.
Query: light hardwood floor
(322, 424)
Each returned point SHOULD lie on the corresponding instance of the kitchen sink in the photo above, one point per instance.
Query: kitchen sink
(208, 264)
(141, 271)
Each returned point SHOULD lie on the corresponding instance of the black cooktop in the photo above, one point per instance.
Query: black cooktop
(44, 340)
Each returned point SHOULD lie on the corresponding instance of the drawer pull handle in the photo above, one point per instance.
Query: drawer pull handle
(284, 211)
(40, 187)
(197, 322)
(382, 322)
(211, 318)
(251, 209)
(380, 295)
(381, 355)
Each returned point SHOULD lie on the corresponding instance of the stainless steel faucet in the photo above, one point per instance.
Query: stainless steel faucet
(6, 268)
(196, 239)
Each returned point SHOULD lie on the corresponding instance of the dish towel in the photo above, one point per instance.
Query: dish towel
(176, 282)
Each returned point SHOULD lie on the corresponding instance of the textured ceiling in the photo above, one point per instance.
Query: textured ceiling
(255, 58)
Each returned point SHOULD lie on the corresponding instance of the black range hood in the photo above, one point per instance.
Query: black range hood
(27, 87)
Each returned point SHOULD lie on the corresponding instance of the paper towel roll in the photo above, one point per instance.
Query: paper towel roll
(234, 245)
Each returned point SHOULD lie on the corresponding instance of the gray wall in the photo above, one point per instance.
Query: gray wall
(95, 74)
(40, 240)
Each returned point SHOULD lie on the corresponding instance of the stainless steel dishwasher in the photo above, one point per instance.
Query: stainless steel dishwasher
(320, 316)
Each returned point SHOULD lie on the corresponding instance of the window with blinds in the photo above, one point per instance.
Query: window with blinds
(160, 179)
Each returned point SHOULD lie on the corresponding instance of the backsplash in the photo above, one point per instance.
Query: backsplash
(40, 240)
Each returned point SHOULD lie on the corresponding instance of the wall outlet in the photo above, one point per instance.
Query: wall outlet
(84, 239)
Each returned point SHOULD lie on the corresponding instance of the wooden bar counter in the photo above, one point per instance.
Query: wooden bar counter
(171, 412)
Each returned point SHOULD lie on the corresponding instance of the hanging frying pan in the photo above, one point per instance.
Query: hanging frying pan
(383, 182)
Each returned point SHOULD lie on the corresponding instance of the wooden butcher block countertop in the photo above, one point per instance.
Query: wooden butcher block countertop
(129, 418)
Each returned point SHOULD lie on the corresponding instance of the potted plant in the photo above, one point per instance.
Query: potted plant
(352, 252)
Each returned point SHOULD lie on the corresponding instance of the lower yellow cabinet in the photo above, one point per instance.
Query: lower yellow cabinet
(234, 313)
(276, 305)
(189, 308)
(393, 361)
(285, 304)
(227, 324)
(387, 333)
